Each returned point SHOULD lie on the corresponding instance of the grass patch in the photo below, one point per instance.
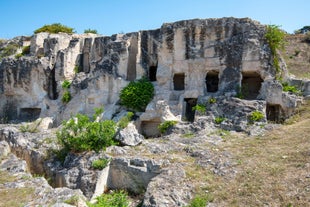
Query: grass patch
(16, 197)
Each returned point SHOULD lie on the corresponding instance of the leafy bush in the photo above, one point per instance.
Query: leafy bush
(77, 69)
(212, 100)
(10, 49)
(219, 119)
(19, 55)
(66, 84)
(200, 108)
(276, 40)
(93, 31)
(100, 164)
(291, 89)
(123, 122)
(66, 97)
(256, 116)
(137, 94)
(81, 134)
(163, 127)
(200, 201)
(114, 199)
(26, 50)
(55, 28)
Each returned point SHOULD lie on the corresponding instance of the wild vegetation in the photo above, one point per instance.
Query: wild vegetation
(276, 40)
(137, 94)
(93, 31)
(113, 199)
(84, 134)
(55, 28)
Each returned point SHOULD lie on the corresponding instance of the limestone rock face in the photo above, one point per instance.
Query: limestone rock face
(129, 136)
(185, 60)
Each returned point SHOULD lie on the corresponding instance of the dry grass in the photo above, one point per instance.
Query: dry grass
(297, 56)
(13, 197)
(273, 170)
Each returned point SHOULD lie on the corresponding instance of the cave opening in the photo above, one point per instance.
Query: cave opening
(212, 81)
(152, 73)
(188, 111)
(52, 85)
(250, 85)
(179, 81)
(150, 128)
(273, 112)
(29, 114)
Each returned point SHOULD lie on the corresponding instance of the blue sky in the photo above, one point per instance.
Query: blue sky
(22, 17)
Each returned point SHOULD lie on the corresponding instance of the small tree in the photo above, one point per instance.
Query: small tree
(55, 28)
(93, 31)
(275, 38)
(137, 94)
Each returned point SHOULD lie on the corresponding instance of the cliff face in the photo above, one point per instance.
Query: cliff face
(185, 60)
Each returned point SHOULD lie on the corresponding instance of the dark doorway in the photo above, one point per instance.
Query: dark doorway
(212, 81)
(273, 112)
(150, 128)
(179, 81)
(189, 113)
(29, 114)
(152, 73)
(251, 84)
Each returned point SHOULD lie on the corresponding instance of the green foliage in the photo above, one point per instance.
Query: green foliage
(74, 200)
(200, 108)
(19, 55)
(114, 199)
(291, 89)
(276, 40)
(123, 122)
(242, 91)
(163, 127)
(100, 163)
(94, 31)
(66, 97)
(98, 112)
(66, 84)
(55, 28)
(137, 94)
(212, 100)
(256, 116)
(77, 69)
(10, 49)
(81, 134)
(200, 201)
(219, 119)
(26, 50)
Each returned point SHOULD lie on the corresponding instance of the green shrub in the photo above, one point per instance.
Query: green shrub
(81, 134)
(9, 50)
(93, 31)
(19, 55)
(219, 119)
(55, 28)
(163, 127)
(256, 116)
(200, 201)
(124, 121)
(200, 108)
(276, 40)
(100, 163)
(77, 69)
(66, 84)
(66, 97)
(26, 50)
(291, 89)
(114, 199)
(212, 100)
(137, 94)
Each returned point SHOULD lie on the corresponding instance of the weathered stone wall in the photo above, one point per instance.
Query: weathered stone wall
(179, 58)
